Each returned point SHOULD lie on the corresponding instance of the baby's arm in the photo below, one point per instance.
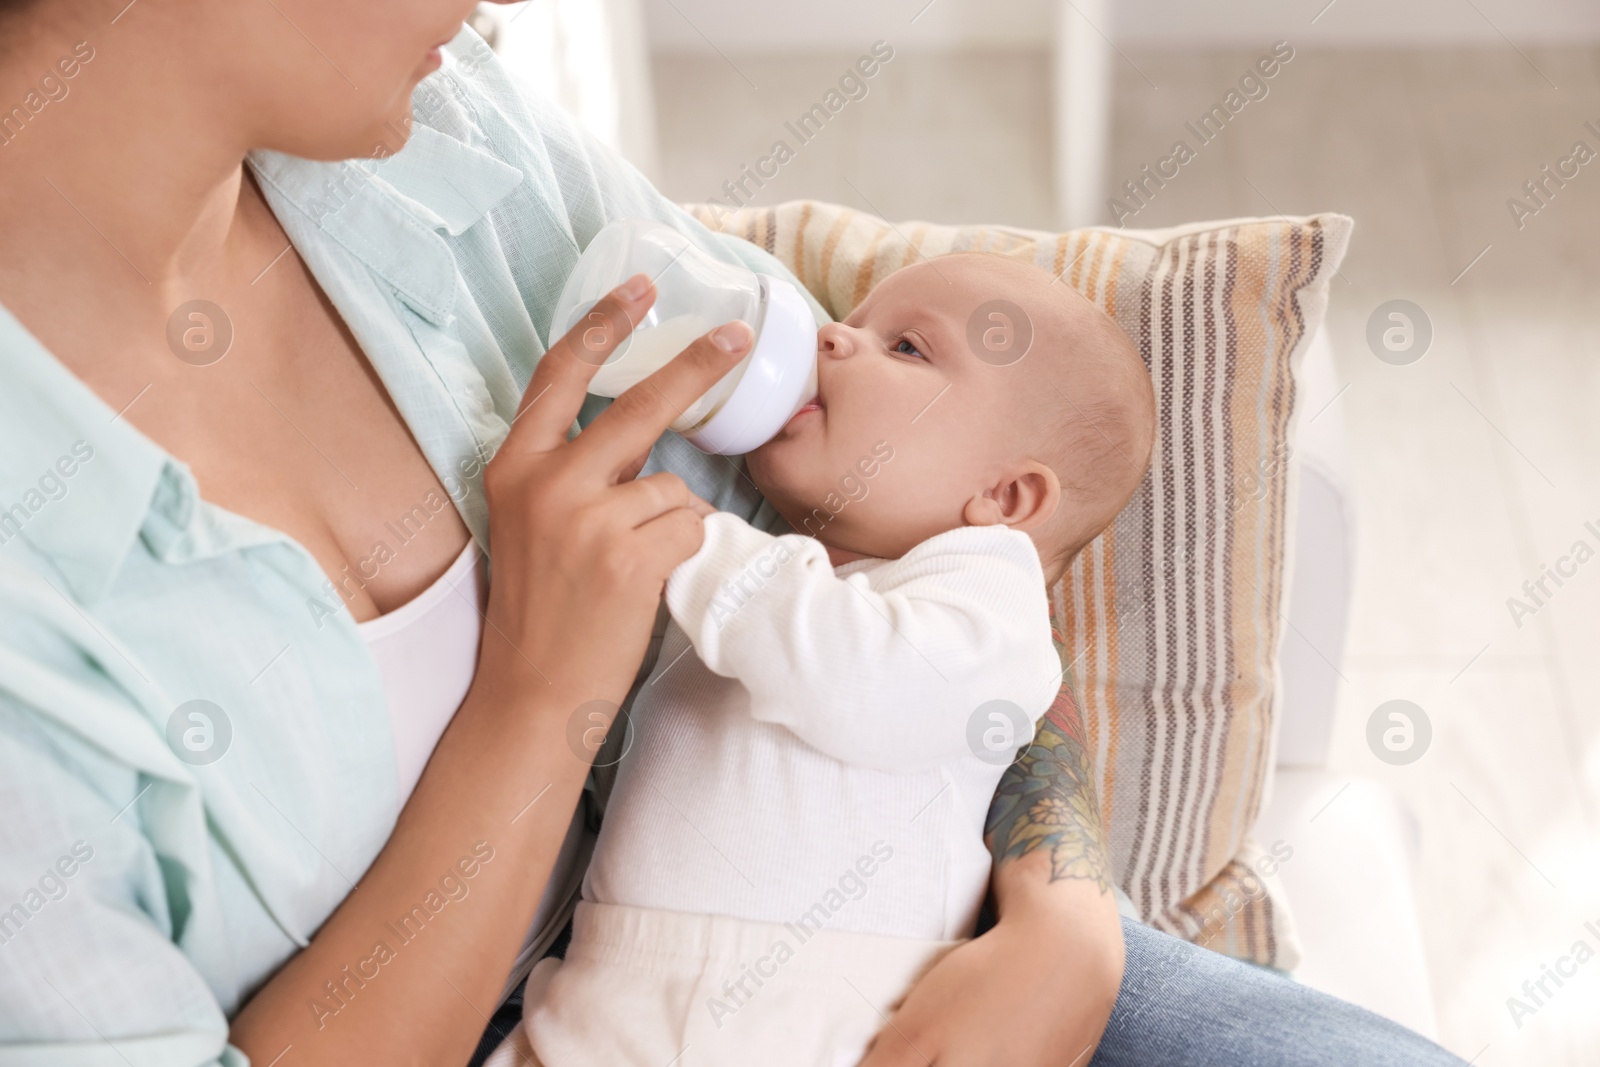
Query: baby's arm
(885, 674)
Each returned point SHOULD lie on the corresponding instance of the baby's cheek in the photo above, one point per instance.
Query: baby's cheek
(853, 487)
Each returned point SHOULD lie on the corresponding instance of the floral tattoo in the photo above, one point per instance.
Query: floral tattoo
(1046, 801)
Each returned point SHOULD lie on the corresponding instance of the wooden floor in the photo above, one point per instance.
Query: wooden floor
(1475, 467)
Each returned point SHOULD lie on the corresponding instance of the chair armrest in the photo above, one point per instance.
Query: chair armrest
(1320, 567)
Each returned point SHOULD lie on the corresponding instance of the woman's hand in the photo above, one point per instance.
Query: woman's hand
(1035, 991)
(581, 550)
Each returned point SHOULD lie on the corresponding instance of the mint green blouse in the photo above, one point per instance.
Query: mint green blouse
(196, 763)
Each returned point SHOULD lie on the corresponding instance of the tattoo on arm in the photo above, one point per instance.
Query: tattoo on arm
(1046, 801)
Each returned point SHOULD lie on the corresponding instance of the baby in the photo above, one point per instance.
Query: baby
(796, 833)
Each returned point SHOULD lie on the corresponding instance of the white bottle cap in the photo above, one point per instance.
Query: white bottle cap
(780, 376)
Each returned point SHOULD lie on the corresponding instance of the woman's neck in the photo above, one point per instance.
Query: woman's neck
(121, 177)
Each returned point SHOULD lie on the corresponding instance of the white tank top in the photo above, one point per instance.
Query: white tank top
(427, 653)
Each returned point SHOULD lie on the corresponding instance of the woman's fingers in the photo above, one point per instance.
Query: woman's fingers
(671, 538)
(639, 501)
(557, 388)
(631, 471)
(639, 416)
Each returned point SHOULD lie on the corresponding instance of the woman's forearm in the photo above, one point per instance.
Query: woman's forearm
(411, 965)
(1052, 876)
(1046, 805)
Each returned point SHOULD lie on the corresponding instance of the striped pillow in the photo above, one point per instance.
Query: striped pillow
(1170, 620)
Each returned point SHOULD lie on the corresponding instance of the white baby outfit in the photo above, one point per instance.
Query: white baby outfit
(795, 834)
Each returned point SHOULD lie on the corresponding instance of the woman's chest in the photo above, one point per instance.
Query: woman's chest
(292, 427)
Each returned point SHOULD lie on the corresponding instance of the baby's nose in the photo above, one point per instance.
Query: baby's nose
(837, 340)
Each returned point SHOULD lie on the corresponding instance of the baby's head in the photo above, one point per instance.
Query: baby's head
(926, 419)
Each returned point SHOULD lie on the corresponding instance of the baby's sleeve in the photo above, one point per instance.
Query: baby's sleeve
(884, 667)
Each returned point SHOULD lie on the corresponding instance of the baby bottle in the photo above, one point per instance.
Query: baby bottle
(695, 294)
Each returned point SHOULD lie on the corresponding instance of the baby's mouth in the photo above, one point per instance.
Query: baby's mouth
(814, 404)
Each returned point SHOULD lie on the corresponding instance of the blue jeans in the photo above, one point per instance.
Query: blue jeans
(1185, 1006)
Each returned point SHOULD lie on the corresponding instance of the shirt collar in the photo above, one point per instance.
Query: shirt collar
(77, 481)
(391, 213)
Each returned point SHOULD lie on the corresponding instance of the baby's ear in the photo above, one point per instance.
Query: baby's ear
(1024, 499)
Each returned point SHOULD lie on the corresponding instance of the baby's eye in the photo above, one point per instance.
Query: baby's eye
(905, 347)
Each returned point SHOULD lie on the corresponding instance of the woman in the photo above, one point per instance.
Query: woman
(282, 780)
